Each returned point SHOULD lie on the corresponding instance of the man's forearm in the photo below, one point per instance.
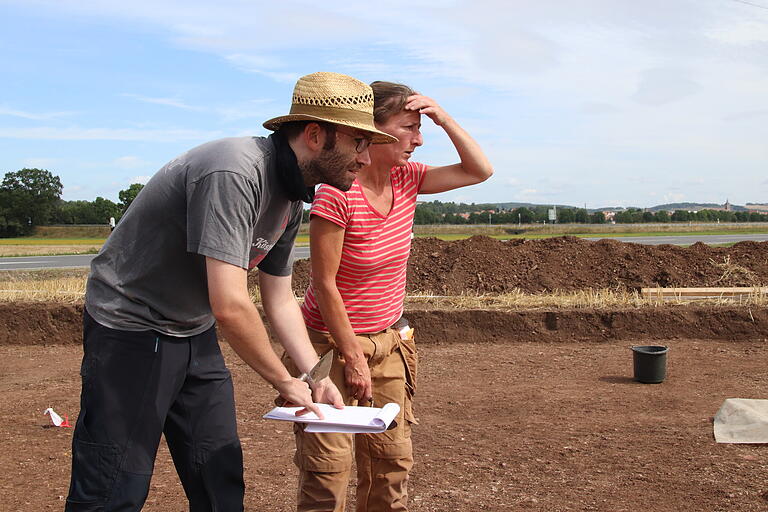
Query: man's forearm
(286, 320)
(244, 331)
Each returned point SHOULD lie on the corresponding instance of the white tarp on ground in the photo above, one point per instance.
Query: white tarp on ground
(742, 420)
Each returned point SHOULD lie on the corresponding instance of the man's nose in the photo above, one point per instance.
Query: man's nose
(418, 140)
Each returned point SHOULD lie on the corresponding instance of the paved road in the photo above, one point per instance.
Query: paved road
(83, 260)
(37, 262)
(75, 261)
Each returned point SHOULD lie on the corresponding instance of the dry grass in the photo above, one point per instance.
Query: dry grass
(733, 273)
(591, 299)
(67, 290)
(76, 231)
(68, 286)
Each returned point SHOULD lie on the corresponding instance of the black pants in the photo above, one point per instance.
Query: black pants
(137, 385)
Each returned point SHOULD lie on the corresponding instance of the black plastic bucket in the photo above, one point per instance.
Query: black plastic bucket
(650, 363)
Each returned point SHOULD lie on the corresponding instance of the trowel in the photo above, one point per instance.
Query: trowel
(320, 371)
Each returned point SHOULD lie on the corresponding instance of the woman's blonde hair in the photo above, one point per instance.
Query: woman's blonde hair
(389, 98)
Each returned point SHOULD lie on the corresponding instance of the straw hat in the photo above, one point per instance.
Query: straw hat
(333, 98)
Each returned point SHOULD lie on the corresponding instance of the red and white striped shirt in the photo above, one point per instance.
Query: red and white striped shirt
(371, 275)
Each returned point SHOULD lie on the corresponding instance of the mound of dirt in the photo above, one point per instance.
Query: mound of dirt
(485, 265)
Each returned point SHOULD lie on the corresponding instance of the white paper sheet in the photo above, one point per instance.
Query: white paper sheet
(742, 420)
(351, 419)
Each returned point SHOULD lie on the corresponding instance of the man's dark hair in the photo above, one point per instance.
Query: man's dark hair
(292, 129)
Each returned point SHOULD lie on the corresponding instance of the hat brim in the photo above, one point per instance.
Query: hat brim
(377, 137)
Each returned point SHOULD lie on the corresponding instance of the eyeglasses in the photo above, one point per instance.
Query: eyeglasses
(361, 143)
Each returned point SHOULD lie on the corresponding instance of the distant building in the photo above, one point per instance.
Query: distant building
(727, 207)
(757, 208)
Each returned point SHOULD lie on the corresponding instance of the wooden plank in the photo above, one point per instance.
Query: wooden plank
(703, 292)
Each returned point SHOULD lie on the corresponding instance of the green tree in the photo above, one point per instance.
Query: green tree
(86, 212)
(565, 216)
(452, 218)
(523, 215)
(129, 194)
(597, 218)
(28, 198)
(425, 215)
(662, 216)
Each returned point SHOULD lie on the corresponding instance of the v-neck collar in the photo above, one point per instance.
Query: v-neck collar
(371, 207)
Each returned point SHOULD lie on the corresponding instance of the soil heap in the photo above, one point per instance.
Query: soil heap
(485, 265)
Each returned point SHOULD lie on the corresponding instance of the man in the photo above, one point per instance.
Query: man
(174, 268)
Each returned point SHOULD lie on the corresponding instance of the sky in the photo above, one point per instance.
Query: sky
(580, 102)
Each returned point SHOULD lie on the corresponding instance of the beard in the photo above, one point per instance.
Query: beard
(332, 167)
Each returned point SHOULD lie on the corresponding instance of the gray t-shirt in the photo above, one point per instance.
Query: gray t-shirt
(221, 200)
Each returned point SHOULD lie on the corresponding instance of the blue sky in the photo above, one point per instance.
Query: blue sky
(596, 102)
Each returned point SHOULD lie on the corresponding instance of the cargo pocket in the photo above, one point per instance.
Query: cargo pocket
(94, 469)
(411, 362)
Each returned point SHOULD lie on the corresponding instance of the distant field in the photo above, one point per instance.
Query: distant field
(547, 230)
(505, 231)
(88, 239)
(79, 231)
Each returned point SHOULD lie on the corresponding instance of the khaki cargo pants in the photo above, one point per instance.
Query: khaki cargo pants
(383, 460)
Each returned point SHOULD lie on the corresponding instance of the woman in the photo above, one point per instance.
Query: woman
(360, 241)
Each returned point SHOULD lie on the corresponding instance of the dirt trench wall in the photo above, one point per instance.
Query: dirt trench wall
(563, 326)
(39, 323)
(52, 324)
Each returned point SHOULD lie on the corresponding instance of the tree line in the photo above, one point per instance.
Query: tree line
(32, 197)
(436, 212)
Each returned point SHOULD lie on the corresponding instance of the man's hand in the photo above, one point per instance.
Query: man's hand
(326, 392)
(357, 377)
(297, 394)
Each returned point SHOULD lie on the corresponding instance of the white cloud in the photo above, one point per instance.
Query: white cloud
(169, 102)
(39, 163)
(745, 32)
(129, 162)
(661, 86)
(258, 109)
(139, 179)
(125, 134)
(34, 116)
(673, 198)
(267, 66)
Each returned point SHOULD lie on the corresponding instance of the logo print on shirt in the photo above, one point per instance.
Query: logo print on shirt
(259, 250)
(262, 246)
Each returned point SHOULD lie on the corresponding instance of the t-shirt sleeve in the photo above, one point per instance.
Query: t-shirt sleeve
(415, 172)
(330, 204)
(221, 212)
(279, 259)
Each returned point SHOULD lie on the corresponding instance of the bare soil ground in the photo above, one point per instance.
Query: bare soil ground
(503, 426)
(518, 410)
